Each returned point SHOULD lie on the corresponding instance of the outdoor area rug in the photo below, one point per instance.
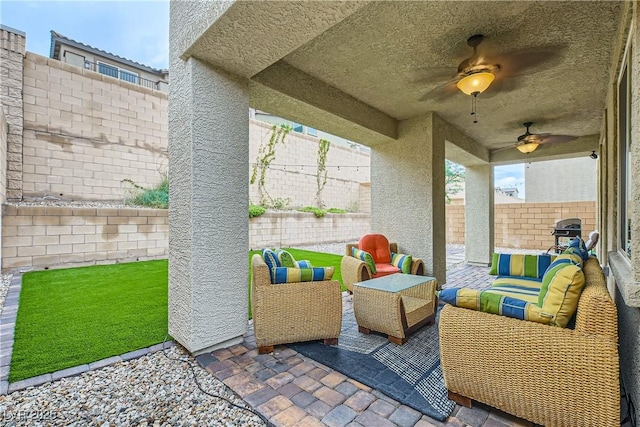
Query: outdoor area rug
(409, 373)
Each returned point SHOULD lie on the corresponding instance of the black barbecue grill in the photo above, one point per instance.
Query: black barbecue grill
(566, 228)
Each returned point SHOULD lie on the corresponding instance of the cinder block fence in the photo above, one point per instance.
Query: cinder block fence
(42, 237)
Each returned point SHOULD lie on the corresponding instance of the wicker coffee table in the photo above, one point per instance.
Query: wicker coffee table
(395, 305)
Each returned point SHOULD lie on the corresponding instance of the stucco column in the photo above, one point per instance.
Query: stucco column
(208, 214)
(407, 193)
(479, 218)
(12, 53)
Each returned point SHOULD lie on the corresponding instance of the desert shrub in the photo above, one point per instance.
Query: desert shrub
(255, 210)
(156, 197)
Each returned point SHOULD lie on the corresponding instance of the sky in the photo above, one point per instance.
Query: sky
(137, 30)
(510, 176)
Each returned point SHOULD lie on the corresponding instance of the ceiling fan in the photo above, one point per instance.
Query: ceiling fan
(529, 142)
(479, 71)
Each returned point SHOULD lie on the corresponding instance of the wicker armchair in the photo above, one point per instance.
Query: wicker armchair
(293, 312)
(354, 270)
(548, 375)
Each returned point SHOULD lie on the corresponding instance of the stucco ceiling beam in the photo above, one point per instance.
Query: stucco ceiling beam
(277, 103)
(245, 37)
(581, 146)
(333, 110)
(460, 147)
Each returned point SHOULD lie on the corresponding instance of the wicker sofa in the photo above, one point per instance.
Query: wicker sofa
(549, 375)
(293, 312)
(355, 270)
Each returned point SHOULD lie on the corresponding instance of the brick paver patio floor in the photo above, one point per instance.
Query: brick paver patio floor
(292, 390)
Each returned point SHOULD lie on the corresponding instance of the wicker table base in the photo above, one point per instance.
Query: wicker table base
(395, 305)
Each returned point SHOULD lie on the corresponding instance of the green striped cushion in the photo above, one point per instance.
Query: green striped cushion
(560, 291)
(520, 265)
(293, 275)
(272, 261)
(401, 261)
(285, 258)
(529, 295)
(493, 302)
(366, 257)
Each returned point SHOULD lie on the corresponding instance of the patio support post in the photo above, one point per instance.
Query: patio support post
(479, 214)
(208, 220)
(408, 195)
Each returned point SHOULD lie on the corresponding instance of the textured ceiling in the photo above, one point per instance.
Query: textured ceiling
(397, 57)
(355, 68)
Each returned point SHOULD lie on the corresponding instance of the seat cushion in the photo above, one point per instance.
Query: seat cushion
(495, 303)
(293, 275)
(378, 246)
(385, 270)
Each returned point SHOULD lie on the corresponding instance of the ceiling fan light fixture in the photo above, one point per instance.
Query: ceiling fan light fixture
(527, 147)
(476, 83)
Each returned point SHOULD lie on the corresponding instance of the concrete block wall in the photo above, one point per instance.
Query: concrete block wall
(455, 223)
(525, 225)
(278, 229)
(85, 132)
(346, 169)
(39, 237)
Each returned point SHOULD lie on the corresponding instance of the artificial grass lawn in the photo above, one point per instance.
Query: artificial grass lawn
(80, 315)
(75, 316)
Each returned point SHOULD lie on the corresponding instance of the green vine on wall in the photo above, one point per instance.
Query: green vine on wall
(266, 155)
(321, 174)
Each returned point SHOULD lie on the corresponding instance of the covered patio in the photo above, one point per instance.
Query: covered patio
(383, 74)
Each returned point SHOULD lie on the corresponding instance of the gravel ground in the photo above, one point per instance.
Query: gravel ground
(150, 391)
(56, 202)
(5, 281)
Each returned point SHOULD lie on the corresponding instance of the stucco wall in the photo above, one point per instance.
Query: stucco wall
(84, 132)
(38, 236)
(625, 271)
(524, 225)
(544, 180)
(78, 56)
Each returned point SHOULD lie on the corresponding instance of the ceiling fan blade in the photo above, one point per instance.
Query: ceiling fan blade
(497, 150)
(500, 85)
(430, 75)
(441, 92)
(552, 139)
(523, 61)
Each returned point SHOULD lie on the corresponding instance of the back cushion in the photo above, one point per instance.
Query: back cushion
(272, 261)
(365, 257)
(520, 265)
(560, 292)
(378, 246)
(285, 258)
(402, 261)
